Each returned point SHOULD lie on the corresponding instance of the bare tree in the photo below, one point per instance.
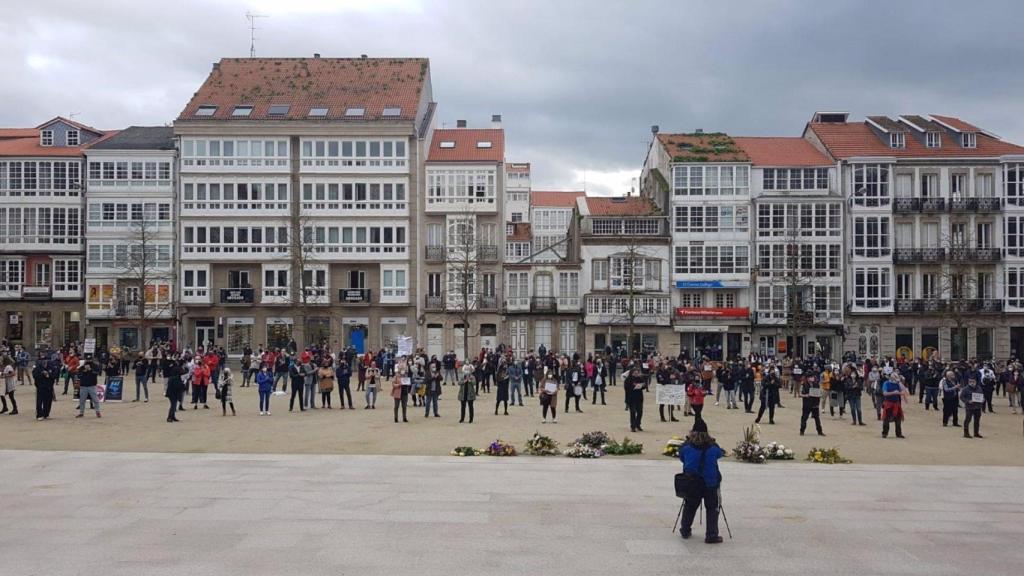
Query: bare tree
(465, 292)
(307, 282)
(631, 267)
(142, 272)
(963, 297)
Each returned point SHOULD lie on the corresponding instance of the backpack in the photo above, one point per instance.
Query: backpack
(690, 485)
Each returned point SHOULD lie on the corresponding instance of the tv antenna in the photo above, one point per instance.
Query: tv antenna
(252, 16)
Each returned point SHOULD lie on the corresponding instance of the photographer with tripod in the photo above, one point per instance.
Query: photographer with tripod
(700, 481)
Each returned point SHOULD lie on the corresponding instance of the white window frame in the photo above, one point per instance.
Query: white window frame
(897, 140)
(46, 138)
(567, 336)
(195, 283)
(874, 180)
(876, 243)
(394, 284)
(969, 139)
(933, 139)
(872, 287)
(73, 138)
(274, 292)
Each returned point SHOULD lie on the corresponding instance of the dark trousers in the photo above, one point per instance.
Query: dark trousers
(297, 392)
(498, 403)
(597, 391)
(671, 412)
(44, 401)
(812, 408)
(766, 402)
(747, 396)
(552, 407)
(345, 391)
(697, 409)
(950, 409)
(151, 372)
(265, 401)
(972, 415)
(636, 413)
(528, 386)
(690, 506)
(224, 405)
(402, 402)
(931, 398)
(899, 426)
(464, 404)
(573, 396)
(199, 394)
(325, 399)
(988, 399)
(173, 409)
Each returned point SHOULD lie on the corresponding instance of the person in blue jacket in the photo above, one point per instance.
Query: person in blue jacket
(265, 381)
(699, 443)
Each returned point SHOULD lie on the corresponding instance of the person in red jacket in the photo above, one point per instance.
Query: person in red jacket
(200, 382)
(695, 392)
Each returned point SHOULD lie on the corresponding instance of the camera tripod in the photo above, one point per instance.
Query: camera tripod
(700, 510)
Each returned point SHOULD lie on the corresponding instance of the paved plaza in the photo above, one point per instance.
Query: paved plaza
(111, 514)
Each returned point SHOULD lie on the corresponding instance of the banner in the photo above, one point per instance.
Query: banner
(405, 346)
(671, 394)
(114, 389)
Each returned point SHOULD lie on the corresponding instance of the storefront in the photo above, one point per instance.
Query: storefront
(239, 335)
(279, 332)
(391, 328)
(717, 333)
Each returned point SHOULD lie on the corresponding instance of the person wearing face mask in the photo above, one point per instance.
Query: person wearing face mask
(87, 388)
(950, 399)
(974, 401)
(810, 392)
(1013, 384)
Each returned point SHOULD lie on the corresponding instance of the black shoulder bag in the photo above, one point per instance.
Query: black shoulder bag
(690, 485)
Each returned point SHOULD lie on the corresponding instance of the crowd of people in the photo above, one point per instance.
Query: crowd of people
(966, 389)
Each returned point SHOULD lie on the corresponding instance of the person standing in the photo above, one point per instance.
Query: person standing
(515, 381)
(200, 382)
(246, 367)
(175, 388)
(892, 405)
(699, 455)
(325, 375)
(141, 381)
(432, 393)
(344, 374)
(547, 388)
(44, 377)
(10, 383)
(87, 378)
(467, 395)
(853, 386)
(400, 386)
(974, 401)
(308, 368)
(372, 382)
(503, 382)
(810, 393)
(635, 384)
(224, 392)
(265, 384)
(298, 381)
(769, 396)
(575, 379)
(950, 399)
(1014, 383)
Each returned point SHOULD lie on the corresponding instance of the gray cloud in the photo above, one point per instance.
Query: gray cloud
(578, 83)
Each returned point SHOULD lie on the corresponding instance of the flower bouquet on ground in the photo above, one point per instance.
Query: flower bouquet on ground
(577, 450)
(776, 451)
(826, 456)
(595, 439)
(672, 447)
(500, 448)
(466, 451)
(627, 446)
(541, 445)
(749, 449)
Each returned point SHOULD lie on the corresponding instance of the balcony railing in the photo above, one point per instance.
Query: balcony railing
(975, 204)
(487, 303)
(487, 253)
(918, 255)
(237, 295)
(938, 305)
(435, 303)
(975, 254)
(354, 295)
(30, 291)
(915, 205)
(126, 310)
(435, 253)
(543, 304)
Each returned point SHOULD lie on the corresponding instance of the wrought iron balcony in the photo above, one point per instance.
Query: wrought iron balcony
(237, 295)
(939, 305)
(435, 253)
(933, 205)
(975, 254)
(487, 253)
(919, 255)
(126, 310)
(975, 204)
(354, 295)
(544, 304)
(487, 303)
(434, 303)
(916, 205)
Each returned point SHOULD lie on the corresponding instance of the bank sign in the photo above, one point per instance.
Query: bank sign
(712, 312)
(705, 284)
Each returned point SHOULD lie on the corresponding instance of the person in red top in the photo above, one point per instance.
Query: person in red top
(695, 392)
(200, 382)
(71, 364)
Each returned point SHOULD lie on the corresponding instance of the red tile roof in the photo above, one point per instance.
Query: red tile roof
(705, 147)
(304, 83)
(781, 151)
(518, 167)
(620, 206)
(956, 123)
(851, 139)
(465, 148)
(18, 132)
(78, 125)
(555, 199)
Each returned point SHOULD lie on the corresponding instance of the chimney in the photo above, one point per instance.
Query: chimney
(216, 66)
(698, 131)
(654, 129)
(495, 120)
(316, 54)
(460, 123)
(363, 56)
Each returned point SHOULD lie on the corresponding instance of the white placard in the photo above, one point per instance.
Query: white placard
(671, 394)
(405, 346)
(978, 398)
(89, 346)
(551, 387)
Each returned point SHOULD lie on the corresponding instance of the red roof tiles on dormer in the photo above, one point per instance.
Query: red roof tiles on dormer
(467, 145)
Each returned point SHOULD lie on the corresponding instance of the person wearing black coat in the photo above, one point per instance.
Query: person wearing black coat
(746, 385)
(44, 378)
(175, 388)
(635, 384)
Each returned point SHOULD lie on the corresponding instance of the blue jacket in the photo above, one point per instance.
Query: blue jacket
(265, 380)
(689, 455)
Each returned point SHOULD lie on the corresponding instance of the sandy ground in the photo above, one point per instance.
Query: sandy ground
(141, 427)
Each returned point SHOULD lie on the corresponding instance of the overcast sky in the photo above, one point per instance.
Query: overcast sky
(579, 83)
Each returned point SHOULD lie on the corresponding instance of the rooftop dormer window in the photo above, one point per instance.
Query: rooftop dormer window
(392, 111)
(897, 140)
(46, 138)
(317, 112)
(72, 138)
(484, 144)
(278, 109)
(241, 111)
(933, 139)
(969, 140)
(447, 144)
(206, 110)
(355, 111)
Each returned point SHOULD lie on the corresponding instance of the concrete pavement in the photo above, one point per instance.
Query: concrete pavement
(115, 514)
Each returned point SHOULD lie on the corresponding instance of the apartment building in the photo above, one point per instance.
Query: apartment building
(702, 182)
(542, 276)
(297, 201)
(130, 238)
(462, 225)
(933, 232)
(41, 240)
(625, 248)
